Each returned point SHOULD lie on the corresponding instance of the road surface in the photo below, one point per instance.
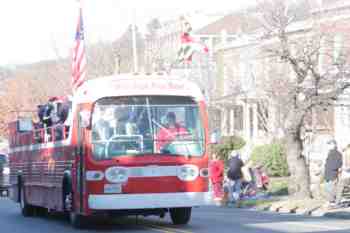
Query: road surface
(204, 220)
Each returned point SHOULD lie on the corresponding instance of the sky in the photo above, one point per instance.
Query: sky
(44, 29)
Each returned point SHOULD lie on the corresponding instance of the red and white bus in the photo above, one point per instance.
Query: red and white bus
(131, 145)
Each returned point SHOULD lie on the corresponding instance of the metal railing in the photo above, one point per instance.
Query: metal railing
(54, 133)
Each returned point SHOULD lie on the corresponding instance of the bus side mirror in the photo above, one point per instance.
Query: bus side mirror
(85, 119)
(214, 138)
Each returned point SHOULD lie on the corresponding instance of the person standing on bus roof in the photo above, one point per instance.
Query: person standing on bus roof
(170, 132)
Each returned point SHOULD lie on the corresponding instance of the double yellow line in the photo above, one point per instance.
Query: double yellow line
(164, 229)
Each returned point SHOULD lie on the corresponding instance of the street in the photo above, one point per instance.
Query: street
(204, 220)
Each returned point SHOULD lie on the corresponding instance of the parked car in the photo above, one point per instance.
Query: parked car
(4, 175)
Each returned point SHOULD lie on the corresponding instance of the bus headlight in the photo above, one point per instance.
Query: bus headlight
(6, 171)
(117, 174)
(187, 172)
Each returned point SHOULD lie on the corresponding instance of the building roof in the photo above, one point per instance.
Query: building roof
(233, 23)
(197, 20)
(328, 5)
(334, 2)
(247, 21)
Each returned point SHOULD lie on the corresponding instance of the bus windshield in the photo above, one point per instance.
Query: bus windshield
(3, 159)
(146, 125)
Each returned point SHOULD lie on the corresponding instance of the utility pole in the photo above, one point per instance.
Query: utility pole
(134, 48)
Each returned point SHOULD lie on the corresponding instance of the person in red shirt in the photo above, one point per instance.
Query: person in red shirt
(170, 132)
(216, 171)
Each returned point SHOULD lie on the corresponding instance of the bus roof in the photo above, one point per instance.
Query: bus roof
(136, 85)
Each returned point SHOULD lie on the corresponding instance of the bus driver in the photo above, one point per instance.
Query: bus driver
(170, 132)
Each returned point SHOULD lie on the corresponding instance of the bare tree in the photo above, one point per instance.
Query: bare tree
(100, 60)
(123, 50)
(159, 52)
(153, 45)
(308, 86)
(30, 85)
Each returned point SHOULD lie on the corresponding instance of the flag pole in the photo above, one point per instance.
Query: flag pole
(79, 57)
(134, 45)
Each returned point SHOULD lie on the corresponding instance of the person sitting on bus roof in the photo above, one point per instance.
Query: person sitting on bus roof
(170, 132)
(47, 113)
(40, 112)
(63, 110)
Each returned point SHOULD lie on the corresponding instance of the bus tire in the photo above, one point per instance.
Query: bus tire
(180, 216)
(18, 186)
(26, 209)
(78, 221)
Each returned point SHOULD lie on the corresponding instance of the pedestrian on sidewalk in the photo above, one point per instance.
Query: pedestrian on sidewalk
(216, 171)
(333, 167)
(344, 179)
(235, 176)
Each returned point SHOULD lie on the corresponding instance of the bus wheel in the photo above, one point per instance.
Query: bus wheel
(77, 220)
(41, 212)
(180, 216)
(26, 209)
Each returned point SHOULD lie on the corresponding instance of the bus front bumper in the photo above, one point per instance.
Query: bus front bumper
(149, 200)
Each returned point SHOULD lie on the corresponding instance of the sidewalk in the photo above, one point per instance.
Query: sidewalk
(314, 208)
(283, 206)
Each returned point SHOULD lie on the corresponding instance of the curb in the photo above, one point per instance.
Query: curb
(316, 212)
(313, 211)
(340, 214)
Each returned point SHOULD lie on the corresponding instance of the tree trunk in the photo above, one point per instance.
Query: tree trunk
(299, 183)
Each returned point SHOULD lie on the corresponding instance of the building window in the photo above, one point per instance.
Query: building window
(238, 118)
(263, 115)
(338, 53)
(230, 39)
(204, 39)
(251, 122)
(227, 122)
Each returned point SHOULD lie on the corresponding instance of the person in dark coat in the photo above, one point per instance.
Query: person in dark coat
(344, 177)
(235, 176)
(41, 112)
(47, 116)
(332, 170)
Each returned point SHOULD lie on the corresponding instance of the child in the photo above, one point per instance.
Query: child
(216, 171)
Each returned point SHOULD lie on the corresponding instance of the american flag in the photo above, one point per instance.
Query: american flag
(189, 45)
(79, 58)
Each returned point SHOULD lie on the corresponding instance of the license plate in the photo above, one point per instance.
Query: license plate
(112, 188)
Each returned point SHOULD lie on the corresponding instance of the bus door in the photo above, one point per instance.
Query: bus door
(80, 150)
